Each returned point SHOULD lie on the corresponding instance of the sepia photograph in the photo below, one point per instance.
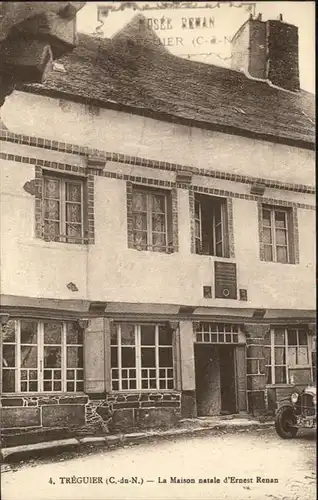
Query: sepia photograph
(157, 250)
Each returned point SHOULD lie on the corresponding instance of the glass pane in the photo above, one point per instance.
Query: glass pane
(8, 380)
(127, 334)
(280, 219)
(268, 373)
(47, 386)
(74, 357)
(158, 203)
(302, 356)
(140, 222)
(266, 217)
(267, 235)
(70, 386)
(52, 188)
(280, 375)
(268, 253)
(165, 357)
(51, 230)
(52, 357)
(52, 209)
(280, 358)
(29, 357)
(8, 356)
(132, 384)
(279, 336)
(128, 358)
(74, 230)
(73, 192)
(29, 332)
(115, 386)
(303, 337)
(73, 212)
(33, 374)
(281, 254)
(281, 237)
(70, 374)
(124, 384)
(113, 336)
(148, 357)
(140, 239)
(165, 335)
(80, 386)
(159, 223)
(218, 233)
(139, 201)
(148, 335)
(159, 241)
(113, 356)
(8, 331)
(52, 333)
(24, 374)
(33, 386)
(57, 386)
(292, 337)
(74, 334)
(47, 374)
(292, 356)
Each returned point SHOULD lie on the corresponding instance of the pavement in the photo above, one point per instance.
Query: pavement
(193, 426)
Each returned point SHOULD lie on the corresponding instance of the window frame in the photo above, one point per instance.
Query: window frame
(224, 223)
(40, 368)
(287, 365)
(63, 202)
(273, 230)
(138, 367)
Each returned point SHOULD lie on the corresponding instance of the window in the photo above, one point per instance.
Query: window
(142, 357)
(218, 333)
(286, 348)
(277, 235)
(210, 226)
(63, 209)
(42, 356)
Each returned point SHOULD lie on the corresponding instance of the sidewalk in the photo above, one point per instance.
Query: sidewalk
(193, 426)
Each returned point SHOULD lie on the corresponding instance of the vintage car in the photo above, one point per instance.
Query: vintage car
(296, 412)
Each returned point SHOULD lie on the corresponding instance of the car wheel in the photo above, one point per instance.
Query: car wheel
(285, 423)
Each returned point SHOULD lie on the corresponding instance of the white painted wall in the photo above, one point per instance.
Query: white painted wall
(109, 270)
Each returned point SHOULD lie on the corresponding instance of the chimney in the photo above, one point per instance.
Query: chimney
(267, 50)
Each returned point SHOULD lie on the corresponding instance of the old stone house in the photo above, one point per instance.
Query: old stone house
(157, 234)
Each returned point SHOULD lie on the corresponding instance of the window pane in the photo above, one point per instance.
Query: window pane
(8, 331)
(280, 358)
(52, 357)
(268, 373)
(128, 358)
(303, 356)
(292, 356)
(29, 332)
(279, 336)
(267, 235)
(8, 380)
(165, 357)
(165, 335)
(292, 337)
(159, 241)
(51, 230)
(29, 357)
(280, 219)
(158, 223)
(303, 337)
(73, 212)
(74, 231)
(158, 203)
(52, 188)
(8, 358)
(281, 237)
(52, 209)
(139, 201)
(73, 191)
(140, 239)
(74, 334)
(114, 357)
(281, 254)
(127, 334)
(52, 333)
(266, 217)
(280, 375)
(140, 222)
(268, 253)
(148, 334)
(197, 210)
(74, 356)
(148, 357)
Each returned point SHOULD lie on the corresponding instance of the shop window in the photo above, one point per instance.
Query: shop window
(142, 357)
(211, 228)
(285, 349)
(42, 356)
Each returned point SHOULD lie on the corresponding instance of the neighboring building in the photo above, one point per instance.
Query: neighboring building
(157, 238)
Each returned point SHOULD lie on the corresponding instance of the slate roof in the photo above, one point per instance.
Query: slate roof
(133, 69)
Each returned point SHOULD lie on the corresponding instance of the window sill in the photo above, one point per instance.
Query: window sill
(40, 394)
(54, 245)
(143, 391)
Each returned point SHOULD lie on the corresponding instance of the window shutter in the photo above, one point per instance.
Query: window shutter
(94, 356)
(187, 356)
(225, 280)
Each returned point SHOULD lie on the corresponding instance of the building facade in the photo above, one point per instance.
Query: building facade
(157, 241)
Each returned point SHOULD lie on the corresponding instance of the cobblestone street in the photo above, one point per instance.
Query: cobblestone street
(235, 465)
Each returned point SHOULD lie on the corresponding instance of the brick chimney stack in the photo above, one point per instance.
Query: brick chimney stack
(268, 50)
